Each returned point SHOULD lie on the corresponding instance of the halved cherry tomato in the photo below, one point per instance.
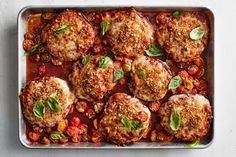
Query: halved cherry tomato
(63, 140)
(192, 69)
(95, 137)
(83, 128)
(181, 89)
(33, 136)
(76, 139)
(183, 74)
(81, 106)
(203, 85)
(72, 131)
(75, 121)
(198, 61)
(154, 106)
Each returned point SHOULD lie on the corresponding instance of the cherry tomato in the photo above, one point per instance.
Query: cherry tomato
(83, 128)
(72, 131)
(75, 121)
(95, 137)
(76, 139)
(33, 136)
(198, 61)
(154, 106)
(81, 106)
(27, 43)
(183, 74)
(90, 113)
(142, 116)
(181, 89)
(203, 85)
(192, 69)
(63, 140)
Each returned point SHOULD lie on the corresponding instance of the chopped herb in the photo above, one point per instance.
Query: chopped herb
(86, 59)
(175, 119)
(103, 27)
(62, 28)
(32, 49)
(175, 82)
(103, 61)
(141, 72)
(39, 109)
(118, 74)
(197, 33)
(154, 50)
(54, 104)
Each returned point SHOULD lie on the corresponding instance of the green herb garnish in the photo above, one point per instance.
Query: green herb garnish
(175, 119)
(177, 13)
(32, 49)
(103, 27)
(118, 74)
(141, 72)
(197, 33)
(131, 125)
(62, 29)
(103, 61)
(39, 109)
(175, 82)
(86, 59)
(54, 104)
(192, 144)
(56, 136)
(154, 50)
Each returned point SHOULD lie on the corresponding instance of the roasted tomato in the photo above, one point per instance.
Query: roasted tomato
(72, 131)
(95, 137)
(63, 140)
(83, 128)
(192, 69)
(76, 139)
(154, 106)
(75, 121)
(203, 85)
(33, 136)
(81, 106)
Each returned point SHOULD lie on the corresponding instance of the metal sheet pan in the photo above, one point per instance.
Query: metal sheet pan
(22, 21)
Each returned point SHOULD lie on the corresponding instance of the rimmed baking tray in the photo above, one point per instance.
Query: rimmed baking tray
(22, 22)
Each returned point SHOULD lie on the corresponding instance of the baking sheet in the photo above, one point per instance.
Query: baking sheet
(22, 22)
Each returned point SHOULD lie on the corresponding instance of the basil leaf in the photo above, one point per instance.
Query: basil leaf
(103, 27)
(54, 104)
(62, 28)
(32, 49)
(141, 72)
(86, 59)
(131, 125)
(154, 50)
(126, 122)
(175, 119)
(103, 61)
(56, 136)
(192, 144)
(118, 74)
(197, 33)
(177, 13)
(175, 82)
(39, 109)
